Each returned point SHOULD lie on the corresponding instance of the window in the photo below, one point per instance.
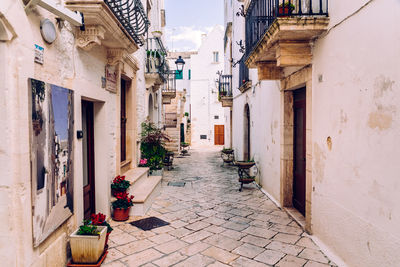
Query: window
(189, 74)
(215, 57)
(203, 136)
(216, 117)
(178, 75)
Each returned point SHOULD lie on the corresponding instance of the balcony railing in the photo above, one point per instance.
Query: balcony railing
(170, 83)
(243, 73)
(132, 16)
(262, 13)
(155, 60)
(225, 86)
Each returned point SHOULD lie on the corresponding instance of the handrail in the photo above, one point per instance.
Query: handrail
(225, 85)
(132, 16)
(156, 53)
(262, 13)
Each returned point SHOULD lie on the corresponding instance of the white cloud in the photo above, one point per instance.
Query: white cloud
(185, 38)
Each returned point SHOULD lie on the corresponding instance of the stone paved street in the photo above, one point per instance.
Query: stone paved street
(213, 224)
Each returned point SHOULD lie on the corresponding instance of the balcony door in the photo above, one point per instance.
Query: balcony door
(88, 159)
(299, 150)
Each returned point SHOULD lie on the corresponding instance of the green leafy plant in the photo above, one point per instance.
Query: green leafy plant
(290, 6)
(120, 184)
(152, 145)
(88, 229)
(186, 114)
(123, 201)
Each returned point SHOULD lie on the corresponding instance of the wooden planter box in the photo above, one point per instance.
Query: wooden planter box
(88, 248)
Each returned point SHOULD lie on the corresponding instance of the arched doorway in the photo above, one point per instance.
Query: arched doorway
(151, 107)
(246, 136)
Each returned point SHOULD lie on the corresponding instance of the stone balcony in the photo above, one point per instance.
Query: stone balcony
(225, 90)
(278, 37)
(105, 26)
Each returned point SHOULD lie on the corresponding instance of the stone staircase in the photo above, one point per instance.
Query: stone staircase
(144, 188)
(174, 136)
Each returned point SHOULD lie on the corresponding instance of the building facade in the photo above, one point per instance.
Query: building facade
(72, 98)
(314, 104)
(207, 114)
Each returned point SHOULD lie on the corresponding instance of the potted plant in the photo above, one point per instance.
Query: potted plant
(152, 147)
(286, 8)
(227, 150)
(122, 206)
(119, 184)
(87, 243)
(246, 164)
(99, 219)
(184, 144)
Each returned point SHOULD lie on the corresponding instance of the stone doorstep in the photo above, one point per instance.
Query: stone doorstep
(145, 192)
(135, 174)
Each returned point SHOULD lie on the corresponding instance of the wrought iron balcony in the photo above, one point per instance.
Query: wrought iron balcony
(116, 24)
(275, 21)
(244, 81)
(156, 63)
(132, 16)
(225, 90)
(169, 88)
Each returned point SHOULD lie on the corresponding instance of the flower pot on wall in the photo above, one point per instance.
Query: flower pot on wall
(121, 214)
(88, 248)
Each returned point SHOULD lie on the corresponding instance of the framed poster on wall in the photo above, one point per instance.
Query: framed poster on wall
(51, 139)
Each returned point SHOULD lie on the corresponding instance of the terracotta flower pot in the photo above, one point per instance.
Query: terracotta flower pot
(107, 235)
(121, 214)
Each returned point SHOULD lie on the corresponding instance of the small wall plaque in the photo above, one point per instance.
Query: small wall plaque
(39, 54)
(111, 79)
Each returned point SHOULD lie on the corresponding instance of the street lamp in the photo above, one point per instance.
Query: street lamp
(180, 63)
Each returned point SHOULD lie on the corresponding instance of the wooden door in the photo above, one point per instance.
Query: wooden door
(123, 120)
(88, 159)
(219, 135)
(299, 150)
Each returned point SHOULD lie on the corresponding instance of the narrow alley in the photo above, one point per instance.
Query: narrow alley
(212, 223)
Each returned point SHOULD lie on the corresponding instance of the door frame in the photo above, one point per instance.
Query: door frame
(89, 106)
(298, 104)
(299, 79)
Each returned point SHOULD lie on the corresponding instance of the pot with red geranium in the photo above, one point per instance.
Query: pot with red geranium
(99, 219)
(286, 9)
(119, 184)
(122, 206)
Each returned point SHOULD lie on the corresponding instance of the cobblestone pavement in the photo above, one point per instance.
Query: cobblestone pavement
(213, 224)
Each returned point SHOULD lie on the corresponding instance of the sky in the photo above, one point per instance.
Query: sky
(60, 109)
(187, 20)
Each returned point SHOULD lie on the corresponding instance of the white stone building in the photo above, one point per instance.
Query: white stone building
(207, 115)
(317, 112)
(94, 77)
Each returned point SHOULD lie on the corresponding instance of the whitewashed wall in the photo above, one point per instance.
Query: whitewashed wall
(355, 208)
(204, 90)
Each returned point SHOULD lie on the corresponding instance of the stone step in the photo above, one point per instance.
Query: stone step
(135, 174)
(145, 192)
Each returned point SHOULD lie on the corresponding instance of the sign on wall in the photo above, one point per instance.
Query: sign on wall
(111, 79)
(52, 118)
(39, 54)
